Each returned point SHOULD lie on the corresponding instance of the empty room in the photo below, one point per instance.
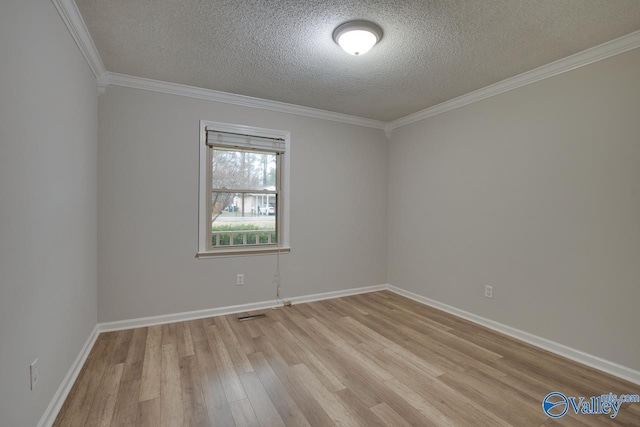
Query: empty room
(319, 213)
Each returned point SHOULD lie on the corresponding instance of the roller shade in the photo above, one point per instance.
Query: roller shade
(244, 141)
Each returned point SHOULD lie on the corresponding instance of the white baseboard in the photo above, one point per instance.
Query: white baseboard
(596, 362)
(338, 294)
(221, 311)
(54, 407)
(142, 322)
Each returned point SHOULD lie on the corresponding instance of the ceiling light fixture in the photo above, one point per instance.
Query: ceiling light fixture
(357, 37)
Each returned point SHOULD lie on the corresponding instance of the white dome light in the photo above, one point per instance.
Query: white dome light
(357, 37)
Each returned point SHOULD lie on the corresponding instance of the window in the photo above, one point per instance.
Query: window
(243, 190)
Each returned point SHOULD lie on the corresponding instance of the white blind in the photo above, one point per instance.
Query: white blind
(244, 141)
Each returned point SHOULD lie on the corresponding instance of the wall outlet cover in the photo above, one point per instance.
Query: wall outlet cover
(488, 291)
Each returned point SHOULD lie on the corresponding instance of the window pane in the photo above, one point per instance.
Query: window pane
(239, 219)
(243, 170)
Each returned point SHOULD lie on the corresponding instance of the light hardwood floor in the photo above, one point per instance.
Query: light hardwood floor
(367, 360)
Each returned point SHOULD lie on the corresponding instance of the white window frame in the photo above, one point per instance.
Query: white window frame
(204, 213)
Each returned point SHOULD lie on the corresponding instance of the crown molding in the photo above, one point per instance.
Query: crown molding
(75, 24)
(388, 131)
(230, 98)
(70, 14)
(580, 59)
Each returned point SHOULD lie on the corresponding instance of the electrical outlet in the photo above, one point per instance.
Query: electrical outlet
(488, 291)
(34, 373)
(240, 279)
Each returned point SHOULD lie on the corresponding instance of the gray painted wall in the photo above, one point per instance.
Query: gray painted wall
(536, 192)
(148, 208)
(48, 146)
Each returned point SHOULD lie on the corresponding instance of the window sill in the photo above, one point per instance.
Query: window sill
(243, 252)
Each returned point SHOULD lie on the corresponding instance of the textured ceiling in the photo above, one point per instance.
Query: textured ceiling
(282, 50)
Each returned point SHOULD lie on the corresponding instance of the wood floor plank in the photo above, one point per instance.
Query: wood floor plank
(169, 335)
(234, 347)
(125, 411)
(365, 360)
(301, 330)
(351, 374)
(435, 353)
(232, 344)
(337, 306)
(184, 340)
(148, 413)
(152, 365)
(329, 334)
(432, 413)
(197, 330)
(388, 416)
(101, 412)
(285, 349)
(369, 389)
(390, 346)
(323, 373)
(443, 336)
(345, 371)
(224, 365)
(483, 390)
(325, 314)
(400, 307)
(75, 410)
(194, 406)
(358, 409)
(243, 336)
(449, 401)
(306, 401)
(347, 307)
(121, 346)
(171, 408)
(216, 402)
(286, 406)
(243, 414)
(263, 407)
(393, 364)
(135, 355)
(443, 351)
(327, 400)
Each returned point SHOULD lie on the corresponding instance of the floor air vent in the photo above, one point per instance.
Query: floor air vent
(252, 317)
